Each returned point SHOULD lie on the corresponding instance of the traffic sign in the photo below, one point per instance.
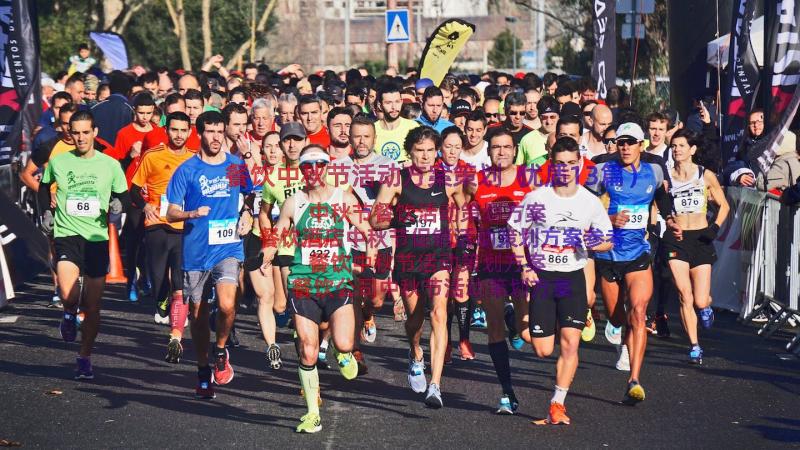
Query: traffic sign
(397, 26)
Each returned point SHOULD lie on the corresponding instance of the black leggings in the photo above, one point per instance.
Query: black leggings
(165, 251)
(133, 233)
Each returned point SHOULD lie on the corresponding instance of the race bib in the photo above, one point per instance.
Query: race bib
(500, 239)
(257, 203)
(638, 216)
(83, 204)
(162, 210)
(689, 202)
(222, 232)
(317, 256)
(556, 256)
(428, 222)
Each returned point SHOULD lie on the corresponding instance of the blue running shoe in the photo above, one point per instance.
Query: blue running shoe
(613, 334)
(133, 295)
(69, 327)
(416, 376)
(696, 355)
(478, 318)
(707, 317)
(84, 370)
(517, 342)
(507, 406)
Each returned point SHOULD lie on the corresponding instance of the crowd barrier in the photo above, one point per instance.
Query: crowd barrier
(773, 276)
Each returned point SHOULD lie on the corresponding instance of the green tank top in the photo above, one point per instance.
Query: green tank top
(322, 254)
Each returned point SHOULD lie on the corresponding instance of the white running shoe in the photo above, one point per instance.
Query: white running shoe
(624, 361)
(613, 334)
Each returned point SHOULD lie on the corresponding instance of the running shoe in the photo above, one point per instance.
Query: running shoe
(174, 351)
(448, 354)
(84, 370)
(465, 347)
(69, 327)
(399, 310)
(310, 423)
(282, 319)
(161, 316)
(650, 324)
(322, 358)
(348, 366)
(557, 414)
(517, 342)
(635, 393)
(369, 332)
(362, 363)
(79, 318)
(479, 318)
(613, 334)
(509, 319)
(507, 406)
(696, 355)
(232, 341)
(589, 330)
(707, 317)
(624, 361)
(145, 287)
(760, 318)
(434, 396)
(416, 374)
(662, 326)
(133, 294)
(274, 356)
(204, 387)
(223, 371)
(55, 302)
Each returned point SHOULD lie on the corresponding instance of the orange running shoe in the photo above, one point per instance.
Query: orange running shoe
(223, 372)
(466, 350)
(558, 414)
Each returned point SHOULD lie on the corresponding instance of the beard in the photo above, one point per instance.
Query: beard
(388, 117)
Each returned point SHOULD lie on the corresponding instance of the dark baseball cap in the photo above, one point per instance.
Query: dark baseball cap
(571, 109)
(460, 107)
(293, 129)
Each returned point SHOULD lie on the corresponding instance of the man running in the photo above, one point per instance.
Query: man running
(164, 239)
(87, 180)
(391, 130)
(320, 279)
(558, 224)
(418, 208)
(631, 185)
(204, 192)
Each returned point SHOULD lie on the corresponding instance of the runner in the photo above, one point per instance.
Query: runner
(476, 151)
(87, 180)
(204, 192)
(418, 208)
(691, 254)
(320, 280)
(497, 190)
(365, 172)
(559, 224)
(339, 120)
(391, 130)
(432, 108)
(164, 239)
(631, 185)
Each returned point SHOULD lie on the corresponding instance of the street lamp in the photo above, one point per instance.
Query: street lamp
(512, 20)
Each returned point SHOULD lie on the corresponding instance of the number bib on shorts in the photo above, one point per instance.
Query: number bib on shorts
(83, 204)
(500, 239)
(222, 231)
(638, 216)
(428, 222)
(689, 202)
(162, 210)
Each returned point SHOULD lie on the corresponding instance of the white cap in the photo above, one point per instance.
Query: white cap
(314, 155)
(630, 129)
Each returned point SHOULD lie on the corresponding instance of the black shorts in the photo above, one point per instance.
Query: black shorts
(319, 307)
(616, 270)
(252, 252)
(90, 257)
(383, 262)
(691, 249)
(283, 260)
(420, 265)
(558, 300)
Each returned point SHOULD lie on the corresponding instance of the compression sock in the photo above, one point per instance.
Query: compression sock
(309, 380)
(559, 395)
(463, 315)
(499, 353)
(178, 313)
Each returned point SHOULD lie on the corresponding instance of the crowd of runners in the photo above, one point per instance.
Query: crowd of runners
(521, 204)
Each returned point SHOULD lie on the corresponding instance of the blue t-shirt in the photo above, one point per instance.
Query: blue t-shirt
(210, 239)
(439, 126)
(632, 191)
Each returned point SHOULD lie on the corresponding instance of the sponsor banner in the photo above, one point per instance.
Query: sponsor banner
(604, 66)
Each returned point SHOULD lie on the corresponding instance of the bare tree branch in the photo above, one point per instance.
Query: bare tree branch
(577, 30)
(122, 20)
(206, 27)
(174, 16)
(262, 25)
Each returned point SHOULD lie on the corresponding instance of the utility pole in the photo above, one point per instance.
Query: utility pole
(391, 49)
(321, 12)
(347, 34)
(541, 49)
(412, 33)
(512, 20)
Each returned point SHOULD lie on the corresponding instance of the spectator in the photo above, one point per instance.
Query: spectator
(114, 113)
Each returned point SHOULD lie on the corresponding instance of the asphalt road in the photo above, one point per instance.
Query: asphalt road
(744, 396)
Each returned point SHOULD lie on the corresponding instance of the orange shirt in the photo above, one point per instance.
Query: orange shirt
(153, 174)
(321, 138)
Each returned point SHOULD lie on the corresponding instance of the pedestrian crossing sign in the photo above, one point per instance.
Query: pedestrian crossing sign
(397, 26)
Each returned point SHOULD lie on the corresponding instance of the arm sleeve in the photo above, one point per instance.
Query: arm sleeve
(43, 196)
(136, 196)
(663, 202)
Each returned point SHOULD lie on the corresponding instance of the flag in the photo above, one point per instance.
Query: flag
(782, 69)
(604, 67)
(742, 81)
(113, 47)
(20, 89)
(442, 48)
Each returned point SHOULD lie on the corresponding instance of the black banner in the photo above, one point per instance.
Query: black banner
(742, 81)
(604, 67)
(20, 89)
(782, 70)
(26, 249)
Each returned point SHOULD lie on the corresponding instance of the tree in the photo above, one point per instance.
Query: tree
(502, 53)
(178, 17)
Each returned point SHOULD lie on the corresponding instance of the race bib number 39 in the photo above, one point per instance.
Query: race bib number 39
(222, 232)
(83, 205)
(638, 216)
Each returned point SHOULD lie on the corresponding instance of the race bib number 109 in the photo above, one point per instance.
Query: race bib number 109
(222, 232)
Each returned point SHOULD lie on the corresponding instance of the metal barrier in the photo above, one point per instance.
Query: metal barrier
(774, 278)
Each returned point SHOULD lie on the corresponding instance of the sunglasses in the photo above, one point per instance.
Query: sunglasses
(490, 114)
(609, 141)
(515, 113)
(587, 113)
(627, 142)
(317, 163)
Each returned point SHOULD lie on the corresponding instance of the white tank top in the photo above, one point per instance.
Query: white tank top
(690, 197)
